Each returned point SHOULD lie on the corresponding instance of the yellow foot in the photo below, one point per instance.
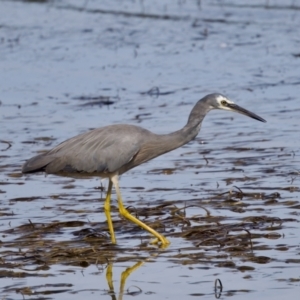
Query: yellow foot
(162, 243)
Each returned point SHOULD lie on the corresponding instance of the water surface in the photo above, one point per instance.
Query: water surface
(228, 201)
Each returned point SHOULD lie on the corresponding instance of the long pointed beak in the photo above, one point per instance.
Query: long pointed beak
(245, 112)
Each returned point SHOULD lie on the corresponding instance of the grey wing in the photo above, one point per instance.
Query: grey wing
(102, 150)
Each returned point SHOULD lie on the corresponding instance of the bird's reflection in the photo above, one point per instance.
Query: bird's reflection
(125, 274)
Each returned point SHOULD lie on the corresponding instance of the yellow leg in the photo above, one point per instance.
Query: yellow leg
(124, 212)
(107, 213)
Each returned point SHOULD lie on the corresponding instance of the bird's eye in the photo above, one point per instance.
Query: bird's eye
(223, 102)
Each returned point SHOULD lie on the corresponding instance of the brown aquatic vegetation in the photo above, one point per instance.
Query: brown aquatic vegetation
(39, 245)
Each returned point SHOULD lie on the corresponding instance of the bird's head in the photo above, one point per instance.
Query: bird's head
(219, 101)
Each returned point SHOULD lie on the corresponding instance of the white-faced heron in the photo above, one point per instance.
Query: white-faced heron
(113, 150)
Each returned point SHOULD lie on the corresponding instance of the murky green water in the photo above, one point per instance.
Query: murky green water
(228, 202)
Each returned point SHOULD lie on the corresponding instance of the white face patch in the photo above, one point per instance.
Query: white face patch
(220, 99)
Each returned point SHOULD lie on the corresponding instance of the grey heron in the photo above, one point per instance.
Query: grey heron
(113, 150)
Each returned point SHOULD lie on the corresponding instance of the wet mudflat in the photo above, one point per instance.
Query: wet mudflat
(228, 202)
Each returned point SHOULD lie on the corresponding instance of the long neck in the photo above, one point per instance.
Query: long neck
(169, 142)
(191, 129)
(155, 145)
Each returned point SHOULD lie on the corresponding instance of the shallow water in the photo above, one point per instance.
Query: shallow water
(228, 201)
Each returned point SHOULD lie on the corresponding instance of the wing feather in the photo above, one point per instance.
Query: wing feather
(102, 150)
